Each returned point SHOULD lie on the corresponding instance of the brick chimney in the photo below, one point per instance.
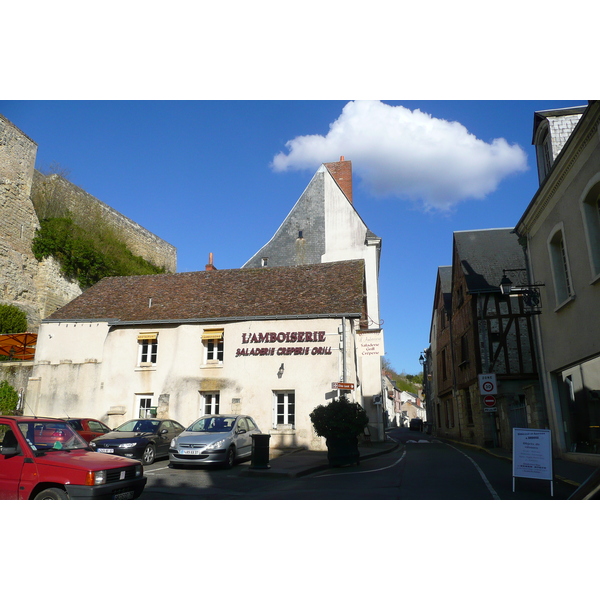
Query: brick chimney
(210, 266)
(342, 172)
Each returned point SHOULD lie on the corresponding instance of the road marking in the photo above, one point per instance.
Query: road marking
(361, 472)
(485, 479)
(148, 472)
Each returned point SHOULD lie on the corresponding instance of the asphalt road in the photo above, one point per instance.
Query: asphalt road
(422, 468)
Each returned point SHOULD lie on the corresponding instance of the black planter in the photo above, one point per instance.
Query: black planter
(342, 451)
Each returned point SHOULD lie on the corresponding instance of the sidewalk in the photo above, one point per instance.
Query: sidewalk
(569, 472)
(299, 462)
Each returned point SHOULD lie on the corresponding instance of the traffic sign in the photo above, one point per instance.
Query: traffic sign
(489, 400)
(487, 383)
(338, 385)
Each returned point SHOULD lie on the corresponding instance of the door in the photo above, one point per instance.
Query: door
(11, 465)
(243, 440)
(164, 440)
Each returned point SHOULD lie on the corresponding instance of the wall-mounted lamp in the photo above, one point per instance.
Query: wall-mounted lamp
(280, 372)
(529, 293)
(422, 359)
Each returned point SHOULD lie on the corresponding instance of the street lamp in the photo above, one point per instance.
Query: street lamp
(529, 293)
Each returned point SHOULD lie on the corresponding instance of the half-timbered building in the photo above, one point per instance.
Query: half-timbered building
(479, 330)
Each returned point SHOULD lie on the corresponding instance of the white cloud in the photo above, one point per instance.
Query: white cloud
(408, 154)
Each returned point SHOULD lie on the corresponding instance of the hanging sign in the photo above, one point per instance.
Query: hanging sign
(370, 342)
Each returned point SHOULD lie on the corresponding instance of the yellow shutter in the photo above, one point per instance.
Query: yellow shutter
(147, 336)
(212, 334)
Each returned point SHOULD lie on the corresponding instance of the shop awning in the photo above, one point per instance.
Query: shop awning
(212, 334)
(18, 346)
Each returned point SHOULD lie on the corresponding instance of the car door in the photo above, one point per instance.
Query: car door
(164, 439)
(96, 429)
(243, 439)
(11, 465)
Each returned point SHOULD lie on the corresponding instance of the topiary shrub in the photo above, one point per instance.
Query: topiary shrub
(339, 419)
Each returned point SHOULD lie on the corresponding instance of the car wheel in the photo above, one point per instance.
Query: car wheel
(230, 458)
(52, 494)
(149, 455)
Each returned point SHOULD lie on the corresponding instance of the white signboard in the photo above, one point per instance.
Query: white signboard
(371, 342)
(487, 384)
(532, 454)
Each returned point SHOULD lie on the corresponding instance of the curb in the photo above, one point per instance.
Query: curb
(283, 473)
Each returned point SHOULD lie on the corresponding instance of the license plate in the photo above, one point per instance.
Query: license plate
(124, 496)
(188, 451)
(106, 450)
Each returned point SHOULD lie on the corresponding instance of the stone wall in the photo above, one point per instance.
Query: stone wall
(139, 240)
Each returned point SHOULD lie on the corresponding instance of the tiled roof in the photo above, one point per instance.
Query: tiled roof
(320, 289)
(484, 253)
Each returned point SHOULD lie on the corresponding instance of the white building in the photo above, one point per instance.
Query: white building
(264, 342)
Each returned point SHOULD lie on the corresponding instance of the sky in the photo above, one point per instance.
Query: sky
(214, 176)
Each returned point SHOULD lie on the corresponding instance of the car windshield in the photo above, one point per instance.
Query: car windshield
(50, 435)
(212, 424)
(140, 425)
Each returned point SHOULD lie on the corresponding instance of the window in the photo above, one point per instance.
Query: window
(464, 349)
(264, 261)
(444, 368)
(148, 348)
(590, 208)
(561, 273)
(146, 411)
(211, 403)
(284, 410)
(469, 406)
(213, 343)
(544, 152)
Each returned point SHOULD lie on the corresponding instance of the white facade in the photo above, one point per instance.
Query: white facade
(100, 373)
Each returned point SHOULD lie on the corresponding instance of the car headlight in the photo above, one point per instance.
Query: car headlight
(95, 478)
(216, 445)
(128, 445)
(174, 442)
(92, 444)
(139, 470)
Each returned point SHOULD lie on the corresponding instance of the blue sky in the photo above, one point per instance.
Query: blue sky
(220, 177)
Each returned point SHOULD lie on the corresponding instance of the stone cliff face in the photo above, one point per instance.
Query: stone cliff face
(38, 288)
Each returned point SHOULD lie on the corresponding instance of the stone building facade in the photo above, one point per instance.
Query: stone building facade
(560, 230)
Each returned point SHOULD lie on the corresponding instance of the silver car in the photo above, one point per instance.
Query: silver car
(214, 439)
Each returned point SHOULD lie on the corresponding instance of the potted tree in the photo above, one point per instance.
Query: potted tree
(340, 422)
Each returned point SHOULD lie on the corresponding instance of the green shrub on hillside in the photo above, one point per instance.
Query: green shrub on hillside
(87, 254)
(12, 319)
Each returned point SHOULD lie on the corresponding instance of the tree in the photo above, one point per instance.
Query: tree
(9, 399)
(12, 319)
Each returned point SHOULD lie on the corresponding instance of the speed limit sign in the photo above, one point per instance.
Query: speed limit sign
(487, 383)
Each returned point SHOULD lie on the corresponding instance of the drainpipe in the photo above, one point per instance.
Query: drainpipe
(344, 365)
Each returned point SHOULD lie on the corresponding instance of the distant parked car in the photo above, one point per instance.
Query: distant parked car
(142, 439)
(220, 439)
(416, 424)
(88, 429)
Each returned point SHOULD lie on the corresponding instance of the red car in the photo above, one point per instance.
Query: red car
(88, 429)
(45, 459)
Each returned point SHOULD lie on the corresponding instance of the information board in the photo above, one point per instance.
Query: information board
(532, 453)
